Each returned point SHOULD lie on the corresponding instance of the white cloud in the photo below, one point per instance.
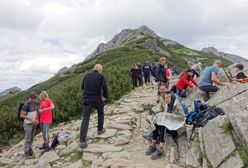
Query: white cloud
(37, 38)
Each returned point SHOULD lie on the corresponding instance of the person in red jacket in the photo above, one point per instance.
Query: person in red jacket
(46, 115)
(187, 80)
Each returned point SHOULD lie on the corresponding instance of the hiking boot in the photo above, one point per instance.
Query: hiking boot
(30, 152)
(206, 97)
(42, 147)
(150, 150)
(83, 144)
(26, 155)
(157, 154)
(46, 149)
(99, 132)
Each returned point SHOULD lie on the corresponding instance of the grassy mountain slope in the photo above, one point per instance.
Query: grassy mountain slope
(66, 92)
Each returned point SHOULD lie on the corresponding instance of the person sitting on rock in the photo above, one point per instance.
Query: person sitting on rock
(208, 77)
(172, 109)
(240, 74)
(185, 82)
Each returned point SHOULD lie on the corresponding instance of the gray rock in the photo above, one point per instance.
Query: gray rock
(236, 109)
(70, 148)
(77, 164)
(122, 137)
(101, 148)
(233, 162)
(46, 159)
(119, 126)
(123, 154)
(217, 144)
(109, 133)
(89, 156)
(116, 162)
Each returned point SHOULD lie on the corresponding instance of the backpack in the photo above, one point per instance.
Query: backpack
(202, 114)
(19, 110)
(245, 80)
(153, 72)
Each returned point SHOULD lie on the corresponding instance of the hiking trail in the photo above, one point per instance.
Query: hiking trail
(123, 144)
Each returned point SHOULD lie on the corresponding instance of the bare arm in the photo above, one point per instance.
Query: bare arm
(215, 79)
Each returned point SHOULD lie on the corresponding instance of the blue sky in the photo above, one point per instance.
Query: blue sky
(37, 38)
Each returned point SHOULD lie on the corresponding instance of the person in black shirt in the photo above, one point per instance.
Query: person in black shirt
(240, 74)
(95, 92)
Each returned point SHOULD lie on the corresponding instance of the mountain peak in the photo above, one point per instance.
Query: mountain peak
(231, 57)
(144, 28)
(121, 38)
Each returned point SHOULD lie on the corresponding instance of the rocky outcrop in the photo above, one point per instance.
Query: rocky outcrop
(10, 91)
(128, 35)
(231, 57)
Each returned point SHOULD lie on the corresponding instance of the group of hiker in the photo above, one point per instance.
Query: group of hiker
(32, 114)
(95, 92)
(144, 73)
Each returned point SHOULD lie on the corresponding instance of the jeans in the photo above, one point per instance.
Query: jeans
(147, 78)
(29, 136)
(88, 104)
(208, 88)
(45, 133)
(158, 133)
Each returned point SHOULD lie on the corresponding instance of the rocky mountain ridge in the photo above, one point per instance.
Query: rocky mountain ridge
(125, 36)
(231, 57)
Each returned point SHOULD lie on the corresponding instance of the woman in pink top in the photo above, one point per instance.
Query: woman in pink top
(46, 115)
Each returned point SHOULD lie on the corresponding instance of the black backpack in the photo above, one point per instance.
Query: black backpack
(19, 110)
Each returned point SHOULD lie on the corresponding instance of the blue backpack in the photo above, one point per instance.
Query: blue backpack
(202, 114)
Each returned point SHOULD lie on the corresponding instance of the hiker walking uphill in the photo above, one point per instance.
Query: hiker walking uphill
(95, 92)
(135, 72)
(46, 114)
(147, 72)
(29, 114)
(208, 77)
(182, 84)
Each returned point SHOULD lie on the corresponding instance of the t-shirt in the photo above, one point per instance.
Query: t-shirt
(46, 116)
(241, 75)
(31, 109)
(206, 77)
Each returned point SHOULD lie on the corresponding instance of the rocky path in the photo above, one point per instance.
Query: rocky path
(219, 144)
(121, 146)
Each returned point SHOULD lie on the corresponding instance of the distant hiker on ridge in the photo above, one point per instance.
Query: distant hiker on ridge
(95, 92)
(29, 114)
(135, 75)
(208, 77)
(147, 72)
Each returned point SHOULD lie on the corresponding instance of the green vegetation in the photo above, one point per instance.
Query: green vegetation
(77, 156)
(66, 91)
(200, 158)
(227, 127)
(244, 155)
